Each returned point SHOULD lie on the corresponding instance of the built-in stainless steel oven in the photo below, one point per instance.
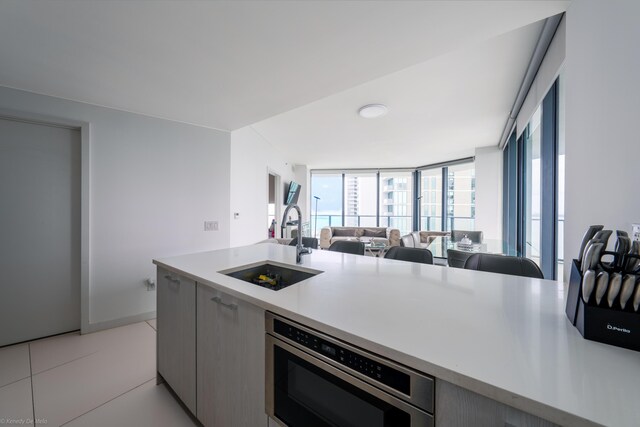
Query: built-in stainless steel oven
(314, 380)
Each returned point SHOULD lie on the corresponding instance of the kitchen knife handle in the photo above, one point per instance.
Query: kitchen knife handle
(609, 267)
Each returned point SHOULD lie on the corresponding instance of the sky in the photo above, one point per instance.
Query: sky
(329, 189)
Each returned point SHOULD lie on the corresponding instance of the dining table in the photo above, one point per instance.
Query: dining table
(441, 244)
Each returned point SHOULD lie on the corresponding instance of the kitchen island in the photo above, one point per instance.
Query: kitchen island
(502, 339)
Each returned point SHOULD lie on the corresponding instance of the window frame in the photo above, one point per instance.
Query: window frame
(514, 186)
(414, 179)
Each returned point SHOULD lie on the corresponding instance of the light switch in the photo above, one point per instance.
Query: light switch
(211, 226)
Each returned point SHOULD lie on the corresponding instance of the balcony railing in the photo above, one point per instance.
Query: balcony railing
(533, 246)
(402, 222)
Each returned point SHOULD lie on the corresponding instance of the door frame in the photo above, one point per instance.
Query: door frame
(85, 200)
(277, 195)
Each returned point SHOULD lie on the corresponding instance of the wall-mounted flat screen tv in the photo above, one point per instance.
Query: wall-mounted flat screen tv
(293, 193)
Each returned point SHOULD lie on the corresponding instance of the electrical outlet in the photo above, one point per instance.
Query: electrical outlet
(150, 284)
(635, 232)
(211, 226)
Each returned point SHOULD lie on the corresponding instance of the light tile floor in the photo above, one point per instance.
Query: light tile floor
(106, 378)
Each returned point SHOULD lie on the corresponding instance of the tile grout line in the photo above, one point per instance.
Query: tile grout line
(33, 401)
(66, 363)
(15, 381)
(41, 339)
(72, 360)
(110, 400)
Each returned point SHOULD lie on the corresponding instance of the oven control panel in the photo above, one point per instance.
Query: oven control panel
(375, 370)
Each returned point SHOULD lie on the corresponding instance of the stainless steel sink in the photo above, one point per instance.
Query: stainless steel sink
(275, 275)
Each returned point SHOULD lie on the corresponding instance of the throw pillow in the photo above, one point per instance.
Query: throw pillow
(375, 233)
(344, 232)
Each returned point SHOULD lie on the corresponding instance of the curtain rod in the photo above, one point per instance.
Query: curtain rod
(549, 29)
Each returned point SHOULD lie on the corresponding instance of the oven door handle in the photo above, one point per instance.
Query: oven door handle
(418, 417)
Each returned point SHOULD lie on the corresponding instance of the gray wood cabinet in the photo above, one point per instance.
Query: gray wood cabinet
(456, 406)
(211, 351)
(176, 334)
(231, 361)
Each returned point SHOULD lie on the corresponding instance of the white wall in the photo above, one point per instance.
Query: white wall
(302, 176)
(153, 184)
(252, 158)
(602, 112)
(489, 167)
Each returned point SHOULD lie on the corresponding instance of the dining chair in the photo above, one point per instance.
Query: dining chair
(307, 242)
(347, 247)
(456, 258)
(475, 236)
(423, 256)
(493, 263)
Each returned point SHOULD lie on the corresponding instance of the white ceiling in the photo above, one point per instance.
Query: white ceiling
(230, 64)
(439, 110)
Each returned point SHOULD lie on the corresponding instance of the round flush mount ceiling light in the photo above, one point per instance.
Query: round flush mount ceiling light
(373, 110)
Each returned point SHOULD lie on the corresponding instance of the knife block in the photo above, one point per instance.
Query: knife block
(612, 326)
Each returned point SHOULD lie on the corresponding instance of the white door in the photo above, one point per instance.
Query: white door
(39, 230)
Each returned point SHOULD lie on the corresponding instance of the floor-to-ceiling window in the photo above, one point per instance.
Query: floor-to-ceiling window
(560, 171)
(328, 207)
(448, 197)
(396, 200)
(534, 185)
(461, 197)
(360, 199)
(510, 202)
(431, 199)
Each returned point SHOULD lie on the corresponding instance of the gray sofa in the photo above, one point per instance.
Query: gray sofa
(388, 236)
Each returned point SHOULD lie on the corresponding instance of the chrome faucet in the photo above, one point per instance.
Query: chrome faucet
(300, 249)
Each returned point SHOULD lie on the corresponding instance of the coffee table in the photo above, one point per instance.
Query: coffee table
(375, 249)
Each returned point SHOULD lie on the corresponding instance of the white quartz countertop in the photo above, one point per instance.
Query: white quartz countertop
(504, 337)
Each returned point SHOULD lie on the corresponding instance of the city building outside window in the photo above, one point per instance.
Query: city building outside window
(386, 198)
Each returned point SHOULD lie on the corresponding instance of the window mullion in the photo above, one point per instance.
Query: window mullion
(343, 193)
(445, 197)
(549, 212)
(378, 199)
(416, 201)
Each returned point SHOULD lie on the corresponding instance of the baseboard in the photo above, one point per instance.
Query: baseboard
(114, 323)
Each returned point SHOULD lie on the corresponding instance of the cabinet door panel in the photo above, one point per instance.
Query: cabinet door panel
(456, 406)
(231, 361)
(176, 336)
